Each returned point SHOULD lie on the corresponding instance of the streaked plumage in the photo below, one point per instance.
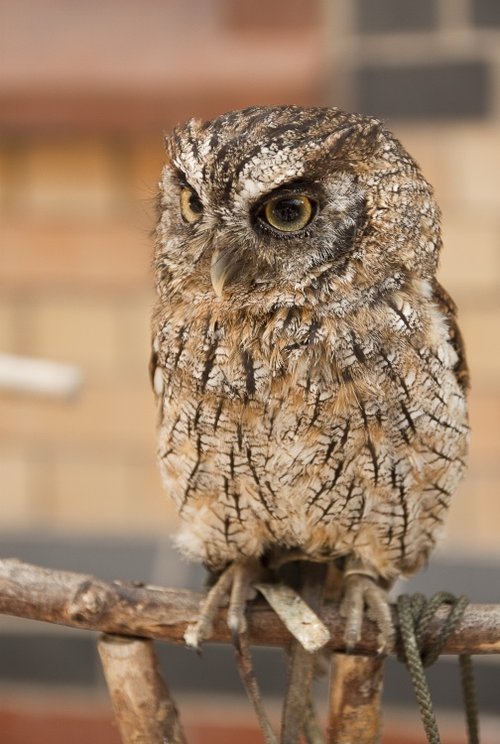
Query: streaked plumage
(317, 406)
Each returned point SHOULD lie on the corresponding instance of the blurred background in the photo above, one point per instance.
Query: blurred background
(87, 90)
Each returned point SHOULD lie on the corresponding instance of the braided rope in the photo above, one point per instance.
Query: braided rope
(415, 615)
(469, 693)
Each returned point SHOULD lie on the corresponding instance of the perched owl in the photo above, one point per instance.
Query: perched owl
(309, 370)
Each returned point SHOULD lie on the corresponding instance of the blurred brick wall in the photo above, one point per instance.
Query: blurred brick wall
(75, 281)
(461, 160)
(75, 209)
(432, 69)
(85, 96)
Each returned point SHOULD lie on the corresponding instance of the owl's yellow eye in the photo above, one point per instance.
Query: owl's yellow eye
(191, 206)
(289, 213)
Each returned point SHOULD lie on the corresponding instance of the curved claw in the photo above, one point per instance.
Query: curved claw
(201, 630)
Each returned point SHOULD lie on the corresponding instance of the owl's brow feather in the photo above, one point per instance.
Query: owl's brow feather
(276, 137)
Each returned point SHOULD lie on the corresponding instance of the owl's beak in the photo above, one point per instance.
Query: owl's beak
(223, 267)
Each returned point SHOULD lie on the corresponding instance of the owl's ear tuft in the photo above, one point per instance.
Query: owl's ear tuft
(335, 140)
(175, 140)
(194, 129)
(367, 131)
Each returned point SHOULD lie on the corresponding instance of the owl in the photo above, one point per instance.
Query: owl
(309, 371)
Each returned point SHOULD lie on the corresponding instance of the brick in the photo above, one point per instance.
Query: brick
(472, 523)
(273, 17)
(149, 506)
(298, 67)
(113, 416)
(16, 487)
(470, 259)
(426, 91)
(81, 329)
(105, 254)
(480, 331)
(473, 520)
(461, 161)
(485, 13)
(4, 178)
(67, 176)
(425, 144)
(89, 494)
(7, 325)
(147, 89)
(134, 336)
(140, 48)
(472, 162)
(146, 158)
(386, 16)
(484, 409)
(67, 720)
(110, 495)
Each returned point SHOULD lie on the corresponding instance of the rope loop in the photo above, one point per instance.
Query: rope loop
(415, 616)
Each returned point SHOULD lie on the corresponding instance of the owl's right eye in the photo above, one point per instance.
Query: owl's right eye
(191, 206)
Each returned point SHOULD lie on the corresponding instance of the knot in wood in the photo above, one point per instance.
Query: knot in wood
(88, 603)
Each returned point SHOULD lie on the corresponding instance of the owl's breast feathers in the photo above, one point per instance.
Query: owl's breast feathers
(307, 430)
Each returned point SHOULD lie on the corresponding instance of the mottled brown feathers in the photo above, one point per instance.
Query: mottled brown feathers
(317, 405)
(449, 309)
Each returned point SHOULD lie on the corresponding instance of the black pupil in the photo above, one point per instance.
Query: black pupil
(195, 204)
(288, 210)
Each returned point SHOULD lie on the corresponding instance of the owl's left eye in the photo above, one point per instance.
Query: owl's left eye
(191, 206)
(288, 213)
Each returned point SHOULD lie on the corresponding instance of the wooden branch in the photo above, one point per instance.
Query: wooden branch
(144, 710)
(83, 601)
(355, 699)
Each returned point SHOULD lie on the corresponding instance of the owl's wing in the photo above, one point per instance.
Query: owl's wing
(449, 310)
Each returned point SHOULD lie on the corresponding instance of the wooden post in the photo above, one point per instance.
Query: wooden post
(355, 699)
(144, 711)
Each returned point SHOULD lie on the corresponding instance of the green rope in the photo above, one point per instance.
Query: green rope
(469, 693)
(415, 615)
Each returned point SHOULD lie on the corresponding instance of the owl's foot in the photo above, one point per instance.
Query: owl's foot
(362, 590)
(235, 583)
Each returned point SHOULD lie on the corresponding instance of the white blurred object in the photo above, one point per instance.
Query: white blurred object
(39, 376)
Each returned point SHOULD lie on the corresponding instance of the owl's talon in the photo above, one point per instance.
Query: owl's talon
(361, 591)
(243, 576)
(202, 629)
(236, 582)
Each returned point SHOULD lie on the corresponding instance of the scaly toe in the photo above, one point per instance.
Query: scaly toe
(241, 591)
(352, 608)
(201, 630)
(363, 594)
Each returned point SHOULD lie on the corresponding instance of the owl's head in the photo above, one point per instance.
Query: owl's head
(276, 202)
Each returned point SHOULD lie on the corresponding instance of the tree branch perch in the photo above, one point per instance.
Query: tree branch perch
(128, 609)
